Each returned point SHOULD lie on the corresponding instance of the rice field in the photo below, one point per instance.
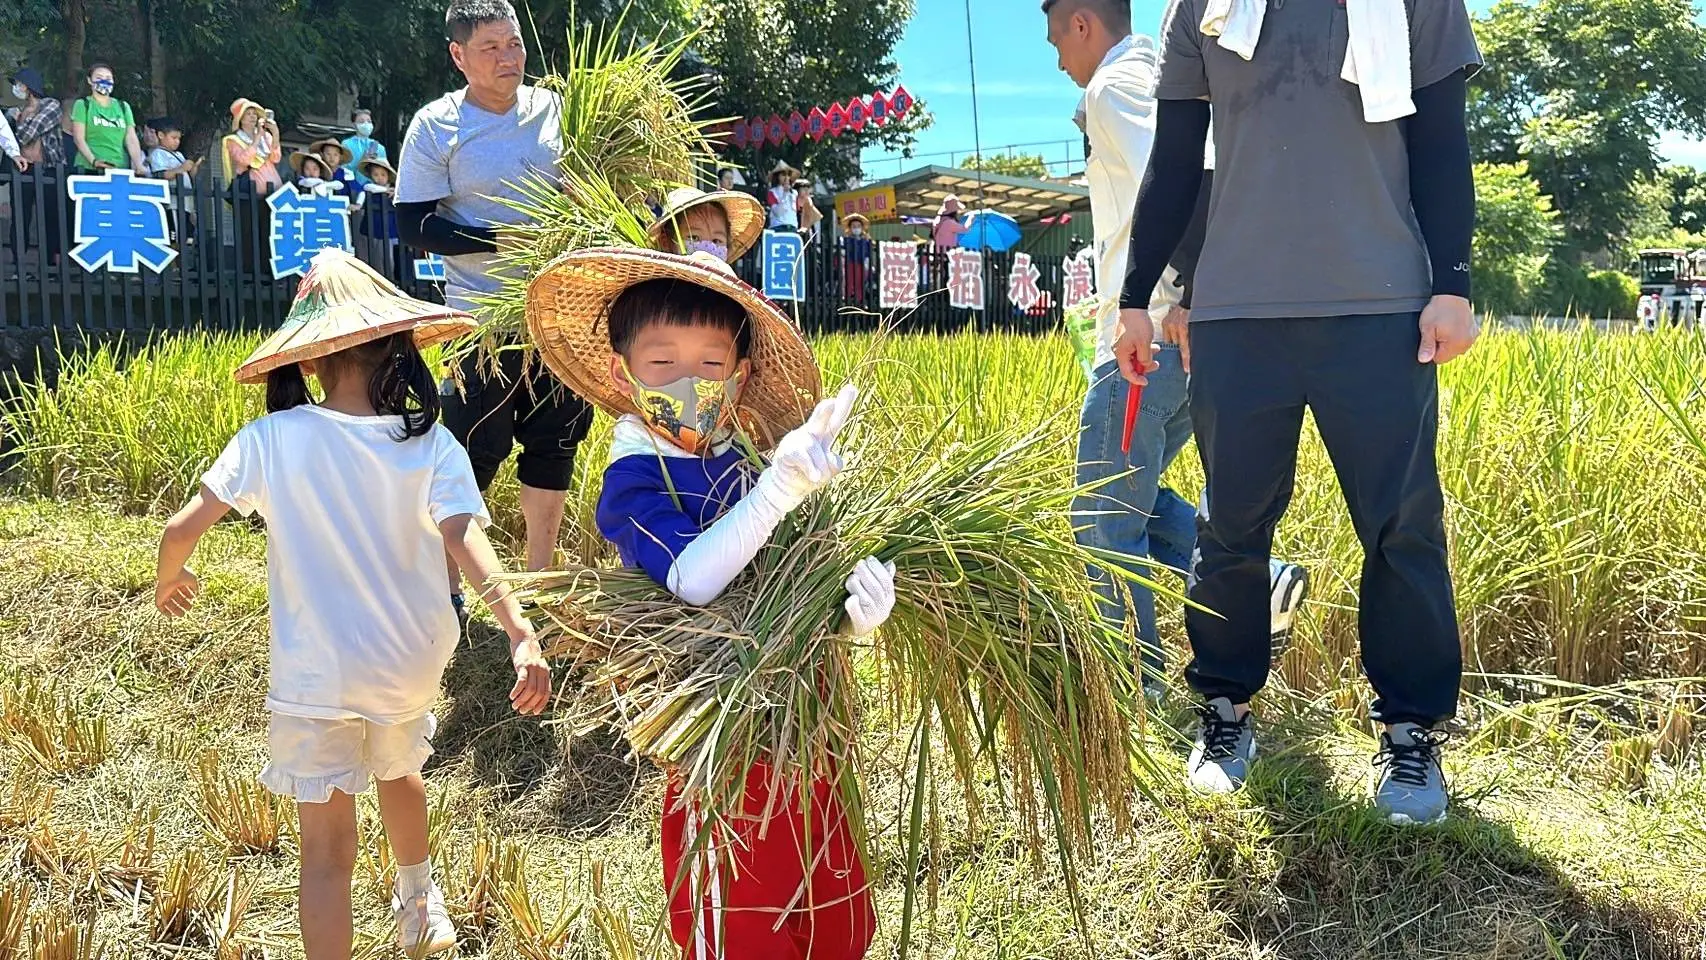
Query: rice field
(1575, 466)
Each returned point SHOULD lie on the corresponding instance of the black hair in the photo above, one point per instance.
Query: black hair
(675, 231)
(99, 65)
(466, 16)
(399, 382)
(1114, 14)
(675, 303)
(316, 161)
(164, 125)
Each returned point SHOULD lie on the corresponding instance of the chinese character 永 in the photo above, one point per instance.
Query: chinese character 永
(303, 225)
(120, 222)
(1022, 289)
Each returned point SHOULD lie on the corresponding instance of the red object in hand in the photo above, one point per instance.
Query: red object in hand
(1133, 400)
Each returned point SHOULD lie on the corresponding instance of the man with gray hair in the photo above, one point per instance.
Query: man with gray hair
(463, 157)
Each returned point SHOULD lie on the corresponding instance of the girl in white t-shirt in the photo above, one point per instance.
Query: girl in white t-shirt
(362, 493)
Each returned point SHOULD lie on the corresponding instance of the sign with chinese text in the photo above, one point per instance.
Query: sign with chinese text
(784, 265)
(303, 224)
(965, 279)
(875, 203)
(1022, 289)
(897, 274)
(119, 222)
(430, 269)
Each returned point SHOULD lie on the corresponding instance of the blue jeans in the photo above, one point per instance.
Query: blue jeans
(1134, 515)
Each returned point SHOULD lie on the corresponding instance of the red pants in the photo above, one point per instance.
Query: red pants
(766, 897)
(855, 287)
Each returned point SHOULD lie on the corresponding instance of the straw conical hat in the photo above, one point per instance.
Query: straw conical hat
(746, 216)
(783, 166)
(319, 146)
(343, 303)
(568, 313)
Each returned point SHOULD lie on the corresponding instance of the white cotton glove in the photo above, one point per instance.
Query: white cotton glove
(870, 596)
(805, 461)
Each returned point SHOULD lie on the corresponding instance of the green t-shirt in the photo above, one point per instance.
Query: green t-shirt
(103, 129)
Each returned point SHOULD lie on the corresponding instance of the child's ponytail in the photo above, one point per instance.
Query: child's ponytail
(402, 385)
(287, 388)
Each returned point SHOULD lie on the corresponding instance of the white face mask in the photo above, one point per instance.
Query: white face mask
(19, 93)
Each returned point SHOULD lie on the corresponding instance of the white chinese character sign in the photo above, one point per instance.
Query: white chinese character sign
(784, 263)
(1022, 289)
(897, 274)
(430, 269)
(120, 222)
(965, 279)
(1080, 279)
(303, 225)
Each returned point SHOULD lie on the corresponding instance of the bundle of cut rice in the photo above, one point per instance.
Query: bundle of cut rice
(994, 650)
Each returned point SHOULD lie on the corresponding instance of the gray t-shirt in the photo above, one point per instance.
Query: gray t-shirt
(470, 161)
(1310, 214)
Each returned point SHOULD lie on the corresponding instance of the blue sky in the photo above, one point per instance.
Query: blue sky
(1022, 96)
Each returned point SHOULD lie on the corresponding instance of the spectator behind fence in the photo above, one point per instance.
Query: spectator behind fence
(37, 125)
(810, 215)
(311, 173)
(9, 146)
(362, 147)
(376, 220)
(166, 162)
(726, 179)
(946, 230)
(104, 128)
(856, 253)
(249, 157)
(335, 158)
(784, 206)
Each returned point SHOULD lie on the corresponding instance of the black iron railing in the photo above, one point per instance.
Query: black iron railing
(221, 278)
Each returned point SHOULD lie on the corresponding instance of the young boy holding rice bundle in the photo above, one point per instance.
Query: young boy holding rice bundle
(681, 351)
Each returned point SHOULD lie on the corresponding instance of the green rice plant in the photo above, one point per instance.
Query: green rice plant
(237, 809)
(615, 931)
(994, 644)
(54, 732)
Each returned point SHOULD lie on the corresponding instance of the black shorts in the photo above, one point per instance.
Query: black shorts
(495, 411)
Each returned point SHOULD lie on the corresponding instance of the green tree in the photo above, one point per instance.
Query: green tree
(1516, 230)
(1581, 90)
(775, 57)
(1009, 164)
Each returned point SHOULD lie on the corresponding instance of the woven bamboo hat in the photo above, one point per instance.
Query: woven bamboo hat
(568, 314)
(300, 157)
(366, 168)
(318, 147)
(344, 303)
(745, 213)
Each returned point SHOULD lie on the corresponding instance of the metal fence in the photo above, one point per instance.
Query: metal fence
(222, 278)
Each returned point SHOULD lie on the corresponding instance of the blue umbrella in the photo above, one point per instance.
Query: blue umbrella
(988, 230)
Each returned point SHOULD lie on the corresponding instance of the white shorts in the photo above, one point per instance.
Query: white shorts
(311, 757)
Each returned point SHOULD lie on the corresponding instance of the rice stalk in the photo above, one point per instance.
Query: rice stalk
(615, 931)
(53, 731)
(237, 809)
(67, 861)
(128, 876)
(226, 915)
(14, 919)
(537, 936)
(473, 894)
(172, 915)
(57, 935)
(27, 800)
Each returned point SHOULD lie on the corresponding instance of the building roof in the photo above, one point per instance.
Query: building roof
(919, 193)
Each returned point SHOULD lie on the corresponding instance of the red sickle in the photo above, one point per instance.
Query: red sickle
(1133, 399)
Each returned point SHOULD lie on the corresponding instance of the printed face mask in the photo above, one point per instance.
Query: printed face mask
(364, 128)
(712, 247)
(691, 412)
(102, 86)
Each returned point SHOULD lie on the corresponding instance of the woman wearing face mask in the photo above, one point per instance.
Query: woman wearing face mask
(362, 147)
(856, 252)
(37, 126)
(104, 128)
(725, 223)
(249, 157)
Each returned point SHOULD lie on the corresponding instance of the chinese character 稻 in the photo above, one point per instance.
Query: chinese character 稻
(120, 222)
(965, 279)
(303, 225)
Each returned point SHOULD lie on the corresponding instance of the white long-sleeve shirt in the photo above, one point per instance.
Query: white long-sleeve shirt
(1119, 120)
(8, 141)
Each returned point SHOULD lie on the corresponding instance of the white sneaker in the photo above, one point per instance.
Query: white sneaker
(1287, 588)
(423, 925)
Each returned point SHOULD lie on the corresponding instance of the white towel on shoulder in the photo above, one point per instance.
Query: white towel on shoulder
(1377, 59)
